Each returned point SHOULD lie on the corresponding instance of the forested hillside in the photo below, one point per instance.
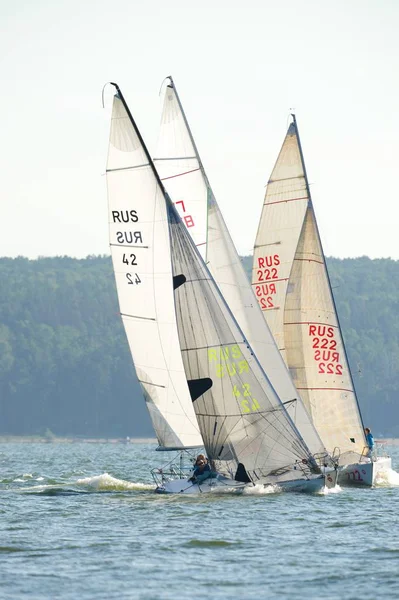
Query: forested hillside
(65, 364)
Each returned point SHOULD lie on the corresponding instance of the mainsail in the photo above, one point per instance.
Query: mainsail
(180, 167)
(289, 264)
(245, 427)
(140, 248)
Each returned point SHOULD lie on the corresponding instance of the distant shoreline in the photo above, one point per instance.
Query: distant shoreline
(27, 439)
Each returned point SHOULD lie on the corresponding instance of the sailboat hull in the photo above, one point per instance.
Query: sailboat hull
(184, 486)
(314, 484)
(363, 474)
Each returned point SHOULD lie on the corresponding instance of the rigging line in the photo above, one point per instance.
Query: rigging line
(234, 343)
(179, 174)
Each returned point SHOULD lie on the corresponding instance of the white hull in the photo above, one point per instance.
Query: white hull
(317, 483)
(363, 474)
(314, 484)
(184, 486)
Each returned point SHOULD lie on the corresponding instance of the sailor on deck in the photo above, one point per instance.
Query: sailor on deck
(201, 470)
(370, 441)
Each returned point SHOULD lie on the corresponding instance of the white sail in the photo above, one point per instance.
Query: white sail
(178, 166)
(289, 267)
(245, 428)
(140, 248)
(314, 347)
(278, 233)
(182, 172)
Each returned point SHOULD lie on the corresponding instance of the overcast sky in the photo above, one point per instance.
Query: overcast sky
(239, 67)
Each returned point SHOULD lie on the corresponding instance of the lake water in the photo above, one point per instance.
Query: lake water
(80, 521)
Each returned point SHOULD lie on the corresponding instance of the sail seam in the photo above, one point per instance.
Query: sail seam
(286, 178)
(269, 280)
(176, 158)
(179, 174)
(127, 168)
(325, 388)
(288, 200)
(128, 246)
(310, 323)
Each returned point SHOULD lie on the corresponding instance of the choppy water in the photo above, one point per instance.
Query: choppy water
(81, 521)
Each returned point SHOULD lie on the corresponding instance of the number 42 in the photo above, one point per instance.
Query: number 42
(246, 407)
(130, 280)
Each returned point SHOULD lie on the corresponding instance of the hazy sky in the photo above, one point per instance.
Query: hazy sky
(239, 67)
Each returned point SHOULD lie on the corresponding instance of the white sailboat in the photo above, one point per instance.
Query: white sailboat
(174, 314)
(291, 282)
(182, 172)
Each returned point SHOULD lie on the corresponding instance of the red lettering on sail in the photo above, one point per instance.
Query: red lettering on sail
(188, 219)
(325, 349)
(266, 273)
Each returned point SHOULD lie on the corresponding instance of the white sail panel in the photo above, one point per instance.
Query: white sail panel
(315, 350)
(241, 418)
(179, 169)
(176, 144)
(279, 229)
(140, 247)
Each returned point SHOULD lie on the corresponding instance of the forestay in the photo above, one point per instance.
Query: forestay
(290, 264)
(181, 169)
(140, 247)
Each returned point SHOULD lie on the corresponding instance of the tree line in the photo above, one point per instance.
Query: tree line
(65, 365)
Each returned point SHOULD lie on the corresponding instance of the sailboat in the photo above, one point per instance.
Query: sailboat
(291, 281)
(174, 314)
(180, 167)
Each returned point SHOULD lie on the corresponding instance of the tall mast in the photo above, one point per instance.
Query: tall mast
(325, 264)
(172, 85)
(155, 172)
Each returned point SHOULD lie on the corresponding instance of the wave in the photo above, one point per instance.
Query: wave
(96, 483)
(387, 478)
(325, 491)
(261, 490)
(107, 483)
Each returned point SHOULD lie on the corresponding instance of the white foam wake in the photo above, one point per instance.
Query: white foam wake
(325, 491)
(260, 490)
(387, 477)
(106, 482)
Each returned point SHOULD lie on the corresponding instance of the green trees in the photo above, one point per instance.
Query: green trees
(65, 365)
(64, 361)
